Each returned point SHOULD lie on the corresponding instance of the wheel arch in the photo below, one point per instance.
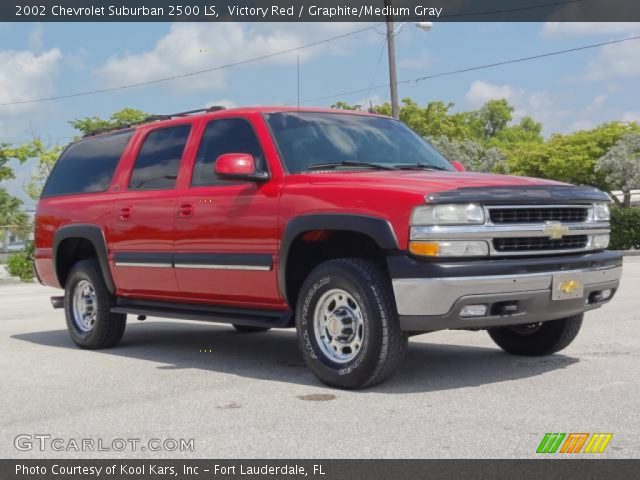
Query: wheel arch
(90, 233)
(378, 230)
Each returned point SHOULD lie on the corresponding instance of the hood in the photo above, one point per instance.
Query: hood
(423, 182)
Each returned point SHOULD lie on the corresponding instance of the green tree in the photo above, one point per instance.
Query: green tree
(6, 155)
(13, 218)
(434, 120)
(569, 158)
(473, 155)
(491, 119)
(121, 118)
(621, 166)
(527, 131)
(6, 172)
(46, 157)
(345, 106)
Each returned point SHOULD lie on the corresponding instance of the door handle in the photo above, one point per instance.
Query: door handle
(125, 213)
(186, 210)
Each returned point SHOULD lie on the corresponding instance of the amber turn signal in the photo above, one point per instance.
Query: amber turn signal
(427, 249)
(450, 248)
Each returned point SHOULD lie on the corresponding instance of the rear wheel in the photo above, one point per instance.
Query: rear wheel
(245, 329)
(347, 324)
(537, 339)
(87, 308)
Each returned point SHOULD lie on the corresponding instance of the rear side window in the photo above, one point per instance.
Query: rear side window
(227, 135)
(88, 165)
(158, 161)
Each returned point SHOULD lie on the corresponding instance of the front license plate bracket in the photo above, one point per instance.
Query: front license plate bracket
(567, 286)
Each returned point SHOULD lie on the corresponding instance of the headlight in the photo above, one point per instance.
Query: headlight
(462, 214)
(601, 212)
(450, 248)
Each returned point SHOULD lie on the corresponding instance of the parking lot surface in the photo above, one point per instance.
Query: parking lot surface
(250, 395)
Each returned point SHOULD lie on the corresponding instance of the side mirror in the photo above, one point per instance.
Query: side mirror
(238, 166)
(458, 166)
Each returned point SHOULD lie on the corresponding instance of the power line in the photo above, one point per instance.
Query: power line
(512, 10)
(189, 74)
(517, 60)
(255, 59)
(370, 88)
(470, 69)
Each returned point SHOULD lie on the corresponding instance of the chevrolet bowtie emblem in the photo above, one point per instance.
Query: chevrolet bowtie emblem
(569, 286)
(555, 230)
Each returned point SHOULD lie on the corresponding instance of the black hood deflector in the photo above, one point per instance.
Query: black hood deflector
(521, 195)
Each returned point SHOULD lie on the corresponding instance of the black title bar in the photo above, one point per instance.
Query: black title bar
(318, 10)
(316, 469)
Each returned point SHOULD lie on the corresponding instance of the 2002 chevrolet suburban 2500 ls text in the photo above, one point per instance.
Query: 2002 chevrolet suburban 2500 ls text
(347, 226)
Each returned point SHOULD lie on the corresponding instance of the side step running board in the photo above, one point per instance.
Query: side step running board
(249, 318)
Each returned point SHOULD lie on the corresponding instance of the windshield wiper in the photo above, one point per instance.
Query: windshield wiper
(346, 163)
(421, 166)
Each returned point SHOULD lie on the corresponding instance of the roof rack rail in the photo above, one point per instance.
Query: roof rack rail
(214, 108)
(154, 118)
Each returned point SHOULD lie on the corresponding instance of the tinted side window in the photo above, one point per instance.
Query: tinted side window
(158, 161)
(229, 135)
(88, 165)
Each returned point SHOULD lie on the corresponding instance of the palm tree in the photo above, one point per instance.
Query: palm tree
(12, 217)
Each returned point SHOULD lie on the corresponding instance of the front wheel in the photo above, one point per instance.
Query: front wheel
(537, 339)
(348, 329)
(87, 308)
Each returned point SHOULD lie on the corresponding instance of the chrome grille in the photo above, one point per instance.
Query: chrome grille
(533, 244)
(526, 230)
(538, 215)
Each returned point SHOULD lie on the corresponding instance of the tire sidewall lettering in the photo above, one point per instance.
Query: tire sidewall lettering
(309, 297)
(308, 341)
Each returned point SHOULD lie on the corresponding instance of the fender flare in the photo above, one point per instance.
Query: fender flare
(95, 235)
(379, 229)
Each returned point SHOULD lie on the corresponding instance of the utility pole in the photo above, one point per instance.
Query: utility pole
(391, 47)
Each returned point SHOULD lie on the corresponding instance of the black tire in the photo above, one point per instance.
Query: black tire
(544, 339)
(108, 328)
(245, 329)
(383, 344)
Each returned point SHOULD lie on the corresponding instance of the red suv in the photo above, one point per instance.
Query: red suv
(347, 226)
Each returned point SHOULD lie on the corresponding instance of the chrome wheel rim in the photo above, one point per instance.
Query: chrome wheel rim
(84, 306)
(338, 326)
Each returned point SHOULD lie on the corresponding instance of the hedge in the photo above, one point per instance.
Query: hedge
(625, 228)
(20, 264)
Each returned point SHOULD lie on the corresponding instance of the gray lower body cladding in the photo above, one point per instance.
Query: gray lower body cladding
(514, 292)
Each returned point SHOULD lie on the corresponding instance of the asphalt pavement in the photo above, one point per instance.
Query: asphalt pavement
(232, 395)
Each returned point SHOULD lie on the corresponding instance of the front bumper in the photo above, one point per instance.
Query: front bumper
(430, 296)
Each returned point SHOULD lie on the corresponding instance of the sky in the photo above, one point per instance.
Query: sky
(566, 93)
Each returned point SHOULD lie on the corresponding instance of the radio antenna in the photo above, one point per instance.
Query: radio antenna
(298, 83)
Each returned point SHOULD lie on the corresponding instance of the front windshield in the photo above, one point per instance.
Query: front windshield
(306, 139)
